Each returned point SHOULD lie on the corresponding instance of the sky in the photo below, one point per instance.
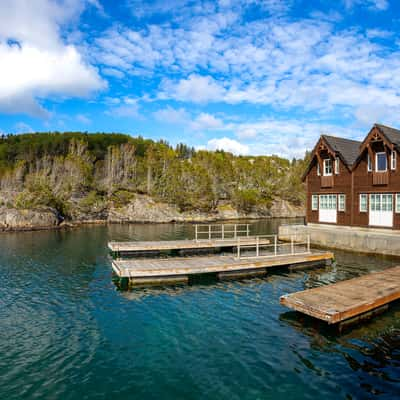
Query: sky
(255, 77)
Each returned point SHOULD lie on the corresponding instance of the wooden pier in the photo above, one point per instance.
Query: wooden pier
(213, 236)
(348, 300)
(179, 269)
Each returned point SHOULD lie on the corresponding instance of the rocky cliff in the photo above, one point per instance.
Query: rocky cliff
(141, 208)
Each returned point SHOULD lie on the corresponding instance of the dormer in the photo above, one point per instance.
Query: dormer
(380, 148)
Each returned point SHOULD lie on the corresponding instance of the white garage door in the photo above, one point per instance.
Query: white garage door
(327, 208)
(381, 209)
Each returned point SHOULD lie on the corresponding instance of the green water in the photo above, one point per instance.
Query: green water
(67, 333)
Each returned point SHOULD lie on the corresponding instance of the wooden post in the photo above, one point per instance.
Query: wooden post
(234, 231)
(238, 248)
(275, 244)
(247, 230)
(291, 245)
(308, 243)
(209, 232)
(195, 232)
(223, 233)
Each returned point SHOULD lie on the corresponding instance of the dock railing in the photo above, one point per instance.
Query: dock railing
(269, 246)
(221, 231)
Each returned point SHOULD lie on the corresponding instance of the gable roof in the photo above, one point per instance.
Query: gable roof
(348, 149)
(393, 135)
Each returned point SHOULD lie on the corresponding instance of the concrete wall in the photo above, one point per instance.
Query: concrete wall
(363, 240)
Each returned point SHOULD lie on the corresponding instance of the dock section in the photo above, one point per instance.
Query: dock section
(179, 269)
(348, 300)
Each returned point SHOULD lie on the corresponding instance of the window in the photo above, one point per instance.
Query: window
(318, 169)
(363, 203)
(398, 203)
(337, 165)
(327, 167)
(327, 201)
(381, 162)
(393, 160)
(314, 202)
(342, 202)
(369, 163)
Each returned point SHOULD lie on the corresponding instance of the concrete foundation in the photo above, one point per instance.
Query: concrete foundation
(363, 240)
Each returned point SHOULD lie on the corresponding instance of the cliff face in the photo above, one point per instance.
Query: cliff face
(54, 179)
(140, 209)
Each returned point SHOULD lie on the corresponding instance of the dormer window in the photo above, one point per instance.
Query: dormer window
(381, 162)
(327, 167)
(337, 165)
(393, 161)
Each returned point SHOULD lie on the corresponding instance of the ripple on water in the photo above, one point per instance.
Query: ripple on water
(67, 333)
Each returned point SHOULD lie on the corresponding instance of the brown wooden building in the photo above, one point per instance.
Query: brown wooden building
(355, 183)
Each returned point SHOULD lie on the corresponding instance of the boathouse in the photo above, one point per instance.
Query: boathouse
(354, 183)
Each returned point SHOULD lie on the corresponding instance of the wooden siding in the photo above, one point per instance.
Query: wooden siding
(352, 183)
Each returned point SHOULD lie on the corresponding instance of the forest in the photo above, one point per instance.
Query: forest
(61, 170)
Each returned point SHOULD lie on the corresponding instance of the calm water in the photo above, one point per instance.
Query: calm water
(67, 333)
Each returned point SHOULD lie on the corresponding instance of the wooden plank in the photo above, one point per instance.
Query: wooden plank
(183, 244)
(136, 268)
(347, 299)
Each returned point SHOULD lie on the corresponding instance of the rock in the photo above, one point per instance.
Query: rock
(16, 219)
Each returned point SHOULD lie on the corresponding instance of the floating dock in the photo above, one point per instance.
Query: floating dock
(171, 245)
(179, 269)
(350, 300)
(206, 237)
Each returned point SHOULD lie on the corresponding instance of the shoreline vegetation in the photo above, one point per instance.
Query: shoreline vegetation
(55, 180)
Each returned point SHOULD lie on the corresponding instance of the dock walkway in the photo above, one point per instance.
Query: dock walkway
(348, 299)
(178, 269)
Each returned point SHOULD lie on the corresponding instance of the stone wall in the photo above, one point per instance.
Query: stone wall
(362, 240)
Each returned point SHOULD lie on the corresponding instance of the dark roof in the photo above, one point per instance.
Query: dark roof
(347, 148)
(393, 135)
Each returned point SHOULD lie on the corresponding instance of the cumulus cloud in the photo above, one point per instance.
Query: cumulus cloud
(226, 144)
(205, 121)
(35, 61)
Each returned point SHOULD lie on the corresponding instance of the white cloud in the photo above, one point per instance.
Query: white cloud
(83, 119)
(378, 5)
(22, 127)
(226, 144)
(171, 115)
(35, 62)
(124, 108)
(205, 121)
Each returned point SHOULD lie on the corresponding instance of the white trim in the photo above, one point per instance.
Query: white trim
(393, 160)
(369, 163)
(397, 207)
(337, 166)
(324, 167)
(318, 169)
(362, 210)
(314, 199)
(343, 198)
(376, 161)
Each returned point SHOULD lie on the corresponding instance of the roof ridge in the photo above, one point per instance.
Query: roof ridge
(386, 126)
(340, 137)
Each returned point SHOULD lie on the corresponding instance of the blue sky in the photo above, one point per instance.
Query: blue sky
(251, 77)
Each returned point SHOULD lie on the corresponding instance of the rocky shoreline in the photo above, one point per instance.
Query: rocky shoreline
(142, 209)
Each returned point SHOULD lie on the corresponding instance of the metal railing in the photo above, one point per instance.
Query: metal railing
(269, 246)
(221, 231)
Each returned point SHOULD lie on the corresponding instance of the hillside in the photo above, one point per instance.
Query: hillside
(77, 176)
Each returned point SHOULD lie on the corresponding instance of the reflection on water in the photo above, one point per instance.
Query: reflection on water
(67, 333)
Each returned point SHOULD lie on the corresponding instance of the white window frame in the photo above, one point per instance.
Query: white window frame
(369, 163)
(314, 202)
(376, 161)
(363, 210)
(324, 167)
(393, 160)
(342, 202)
(337, 166)
(318, 169)
(397, 205)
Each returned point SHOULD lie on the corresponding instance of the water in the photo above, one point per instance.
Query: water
(67, 333)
